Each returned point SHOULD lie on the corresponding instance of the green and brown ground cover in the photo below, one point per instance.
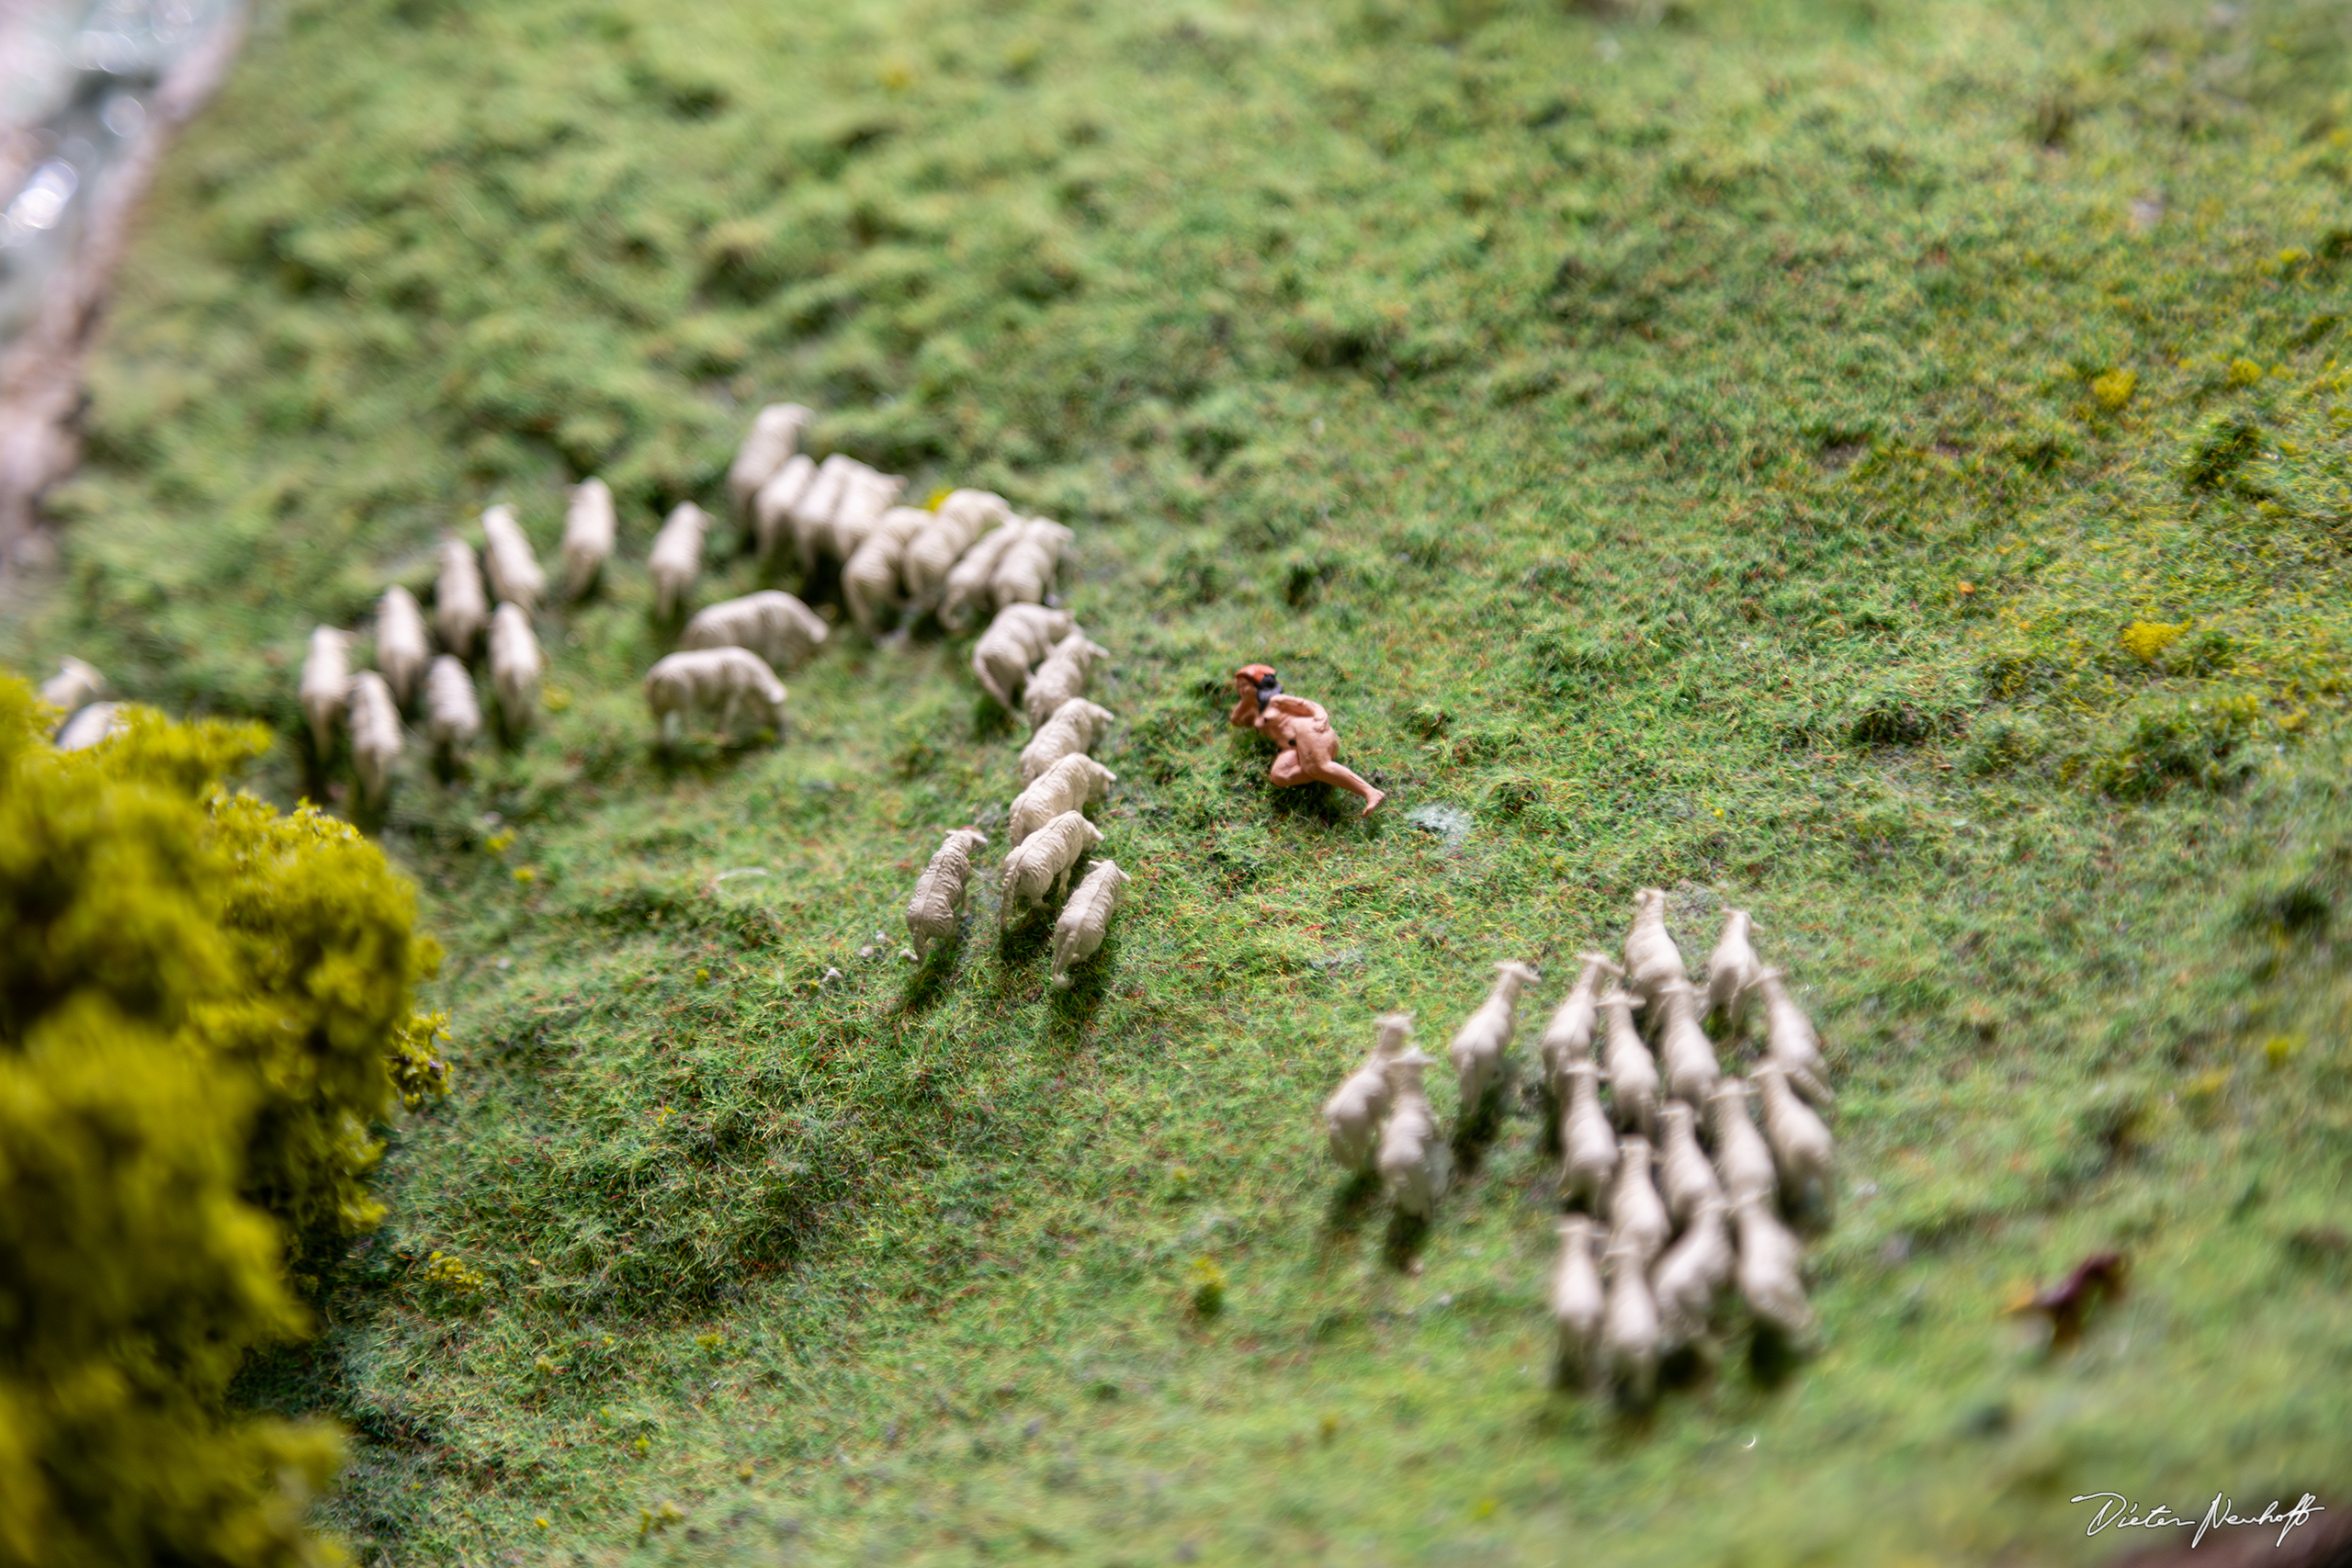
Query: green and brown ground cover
(1889, 468)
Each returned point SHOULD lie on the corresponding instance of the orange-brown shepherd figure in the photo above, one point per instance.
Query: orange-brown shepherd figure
(1301, 728)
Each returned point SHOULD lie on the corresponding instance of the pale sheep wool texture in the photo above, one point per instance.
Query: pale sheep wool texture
(812, 512)
(939, 891)
(1651, 957)
(1691, 1274)
(1684, 1175)
(374, 722)
(1633, 1083)
(866, 496)
(676, 560)
(966, 586)
(1637, 1220)
(460, 608)
(1041, 865)
(403, 646)
(774, 508)
(1770, 1269)
(326, 685)
(1086, 919)
(74, 686)
(870, 579)
(1015, 640)
(1742, 1159)
(932, 554)
(1731, 969)
(1477, 1048)
(515, 667)
(591, 525)
(1351, 1117)
(1791, 1040)
(452, 712)
(1684, 1052)
(1073, 783)
(773, 623)
(1569, 1033)
(1578, 1301)
(1801, 1147)
(1061, 678)
(1588, 1146)
(95, 722)
(1026, 572)
(731, 681)
(1076, 726)
(514, 571)
(769, 444)
(1416, 1166)
(1630, 1337)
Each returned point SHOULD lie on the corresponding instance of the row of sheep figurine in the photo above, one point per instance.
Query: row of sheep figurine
(1643, 1265)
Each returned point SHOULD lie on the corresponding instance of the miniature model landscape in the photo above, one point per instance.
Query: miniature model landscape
(1826, 525)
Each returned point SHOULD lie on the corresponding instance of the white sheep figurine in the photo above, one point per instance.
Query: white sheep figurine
(733, 680)
(1416, 1166)
(1086, 919)
(1076, 726)
(374, 722)
(515, 667)
(1791, 1040)
(1042, 863)
(460, 608)
(1682, 1168)
(773, 623)
(966, 586)
(769, 444)
(1578, 1301)
(94, 723)
(1691, 1274)
(774, 509)
(1731, 969)
(1684, 1052)
(1800, 1141)
(1569, 1033)
(452, 712)
(74, 686)
(1742, 1159)
(870, 576)
(1478, 1045)
(326, 685)
(867, 495)
(1351, 1117)
(590, 525)
(1019, 637)
(932, 554)
(676, 560)
(1588, 1148)
(1770, 1269)
(1027, 569)
(1626, 1061)
(1637, 1220)
(812, 512)
(1630, 1338)
(403, 648)
(1061, 678)
(514, 571)
(1651, 957)
(939, 891)
(1075, 783)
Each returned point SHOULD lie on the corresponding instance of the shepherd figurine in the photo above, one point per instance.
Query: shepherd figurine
(1301, 728)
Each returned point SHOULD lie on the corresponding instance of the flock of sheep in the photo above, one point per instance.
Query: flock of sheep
(1662, 1213)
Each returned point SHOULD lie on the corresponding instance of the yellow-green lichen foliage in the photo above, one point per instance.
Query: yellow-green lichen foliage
(201, 1002)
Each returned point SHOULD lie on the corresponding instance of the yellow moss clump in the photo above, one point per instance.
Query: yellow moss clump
(2114, 388)
(2145, 639)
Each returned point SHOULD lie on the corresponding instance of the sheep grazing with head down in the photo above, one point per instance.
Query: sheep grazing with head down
(866, 496)
(1085, 921)
(965, 588)
(1770, 1271)
(1578, 1301)
(515, 574)
(1731, 969)
(676, 560)
(1693, 1272)
(1076, 726)
(1075, 783)
(74, 686)
(1633, 1076)
(1478, 1045)
(812, 512)
(734, 681)
(590, 527)
(1569, 1033)
(1682, 1168)
(1790, 1037)
(1351, 1116)
(774, 508)
(1415, 1165)
(773, 623)
(1684, 1048)
(452, 712)
(1630, 1341)
(1019, 637)
(403, 648)
(1800, 1145)
(1588, 1148)
(1026, 571)
(1651, 957)
(375, 736)
(769, 444)
(1741, 1157)
(1040, 865)
(939, 891)
(932, 554)
(1061, 678)
(1636, 1216)
(515, 667)
(870, 577)
(460, 608)
(326, 685)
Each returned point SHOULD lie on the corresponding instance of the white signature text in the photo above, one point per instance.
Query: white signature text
(2114, 1508)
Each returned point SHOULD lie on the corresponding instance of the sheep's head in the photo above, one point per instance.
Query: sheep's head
(1616, 996)
(1762, 981)
(1599, 963)
(1679, 1117)
(1649, 903)
(1578, 1230)
(1513, 974)
(1395, 1033)
(967, 839)
(1633, 1155)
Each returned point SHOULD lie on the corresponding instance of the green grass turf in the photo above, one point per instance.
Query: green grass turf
(1686, 443)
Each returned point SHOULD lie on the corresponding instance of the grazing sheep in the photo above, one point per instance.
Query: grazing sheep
(866, 497)
(1042, 863)
(1637, 1219)
(1731, 968)
(94, 723)
(1684, 1049)
(1026, 571)
(1741, 1157)
(515, 574)
(774, 507)
(939, 891)
(452, 714)
(870, 579)
(1682, 1168)
(1085, 918)
(1770, 1269)
(1351, 1116)
(1061, 678)
(966, 584)
(1569, 1034)
(1076, 726)
(813, 510)
(590, 527)
(1019, 637)
(769, 444)
(675, 560)
(1790, 1039)
(514, 667)
(1651, 957)
(74, 686)
(773, 623)
(1691, 1275)
(374, 722)
(460, 609)
(1588, 1148)
(403, 648)
(326, 685)
(731, 680)
(932, 553)
(1072, 784)
(1800, 1145)
(1478, 1045)
(1630, 1341)
(1415, 1165)
(1633, 1076)
(1577, 1302)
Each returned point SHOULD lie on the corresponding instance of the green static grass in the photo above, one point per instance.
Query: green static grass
(1693, 445)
